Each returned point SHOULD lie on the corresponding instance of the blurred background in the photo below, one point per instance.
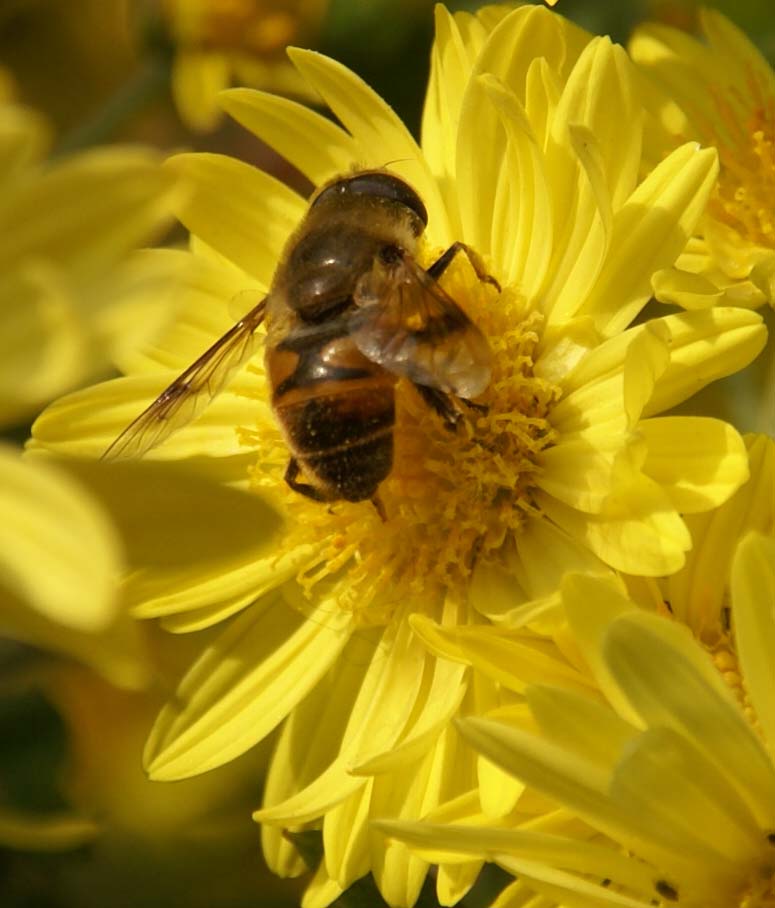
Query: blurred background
(104, 71)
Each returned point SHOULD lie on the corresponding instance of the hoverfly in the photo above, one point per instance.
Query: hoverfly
(349, 311)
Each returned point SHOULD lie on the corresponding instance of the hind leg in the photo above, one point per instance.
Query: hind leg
(303, 488)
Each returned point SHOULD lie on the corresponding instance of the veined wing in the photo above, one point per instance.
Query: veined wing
(405, 321)
(192, 391)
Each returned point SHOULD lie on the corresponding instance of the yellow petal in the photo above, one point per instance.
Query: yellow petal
(522, 226)
(240, 211)
(752, 588)
(432, 839)
(442, 690)
(684, 803)
(581, 724)
(380, 136)
(197, 77)
(301, 757)
(673, 685)
(651, 229)
(389, 687)
(638, 532)
(312, 143)
(61, 555)
(346, 838)
(243, 686)
(452, 59)
(692, 291)
(705, 345)
(45, 346)
(84, 424)
(454, 881)
(84, 213)
(190, 541)
(735, 54)
(699, 462)
(24, 139)
(506, 657)
(601, 97)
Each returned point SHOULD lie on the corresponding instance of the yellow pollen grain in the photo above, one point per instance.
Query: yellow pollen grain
(453, 497)
(744, 197)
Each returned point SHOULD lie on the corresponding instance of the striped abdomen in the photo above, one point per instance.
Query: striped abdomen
(337, 409)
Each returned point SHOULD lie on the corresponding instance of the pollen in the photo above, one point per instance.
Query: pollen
(455, 495)
(744, 197)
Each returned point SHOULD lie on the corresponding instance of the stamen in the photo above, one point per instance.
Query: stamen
(744, 197)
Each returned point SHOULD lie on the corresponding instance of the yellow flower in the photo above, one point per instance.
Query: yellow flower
(531, 150)
(68, 295)
(218, 41)
(660, 779)
(720, 92)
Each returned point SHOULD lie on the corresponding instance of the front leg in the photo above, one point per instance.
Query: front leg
(445, 259)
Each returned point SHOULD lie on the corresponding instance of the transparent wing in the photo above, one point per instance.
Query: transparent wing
(192, 391)
(405, 321)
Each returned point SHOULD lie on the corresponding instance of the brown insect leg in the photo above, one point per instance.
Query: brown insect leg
(379, 507)
(444, 260)
(450, 410)
(443, 404)
(303, 488)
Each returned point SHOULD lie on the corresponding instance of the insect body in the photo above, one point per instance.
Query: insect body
(349, 312)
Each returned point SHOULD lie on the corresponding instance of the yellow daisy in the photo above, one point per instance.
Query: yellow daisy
(69, 297)
(719, 91)
(659, 780)
(530, 153)
(218, 42)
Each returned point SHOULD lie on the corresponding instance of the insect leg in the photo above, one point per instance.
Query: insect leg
(379, 507)
(445, 259)
(303, 488)
(443, 404)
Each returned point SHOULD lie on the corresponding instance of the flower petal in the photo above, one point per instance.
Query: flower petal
(240, 211)
(61, 556)
(705, 345)
(244, 684)
(317, 147)
(380, 136)
(522, 239)
(673, 684)
(638, 532)
(651, 229)
(85, 213)
(752, 587)
(197, 77)
(700, 462)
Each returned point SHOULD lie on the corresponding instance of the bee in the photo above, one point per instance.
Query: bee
(348, 313)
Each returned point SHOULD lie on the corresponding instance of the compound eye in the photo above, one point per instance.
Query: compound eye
(380, 185)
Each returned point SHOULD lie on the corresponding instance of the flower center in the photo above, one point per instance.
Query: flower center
(453, 496)
(744, 197)
(256, 26)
